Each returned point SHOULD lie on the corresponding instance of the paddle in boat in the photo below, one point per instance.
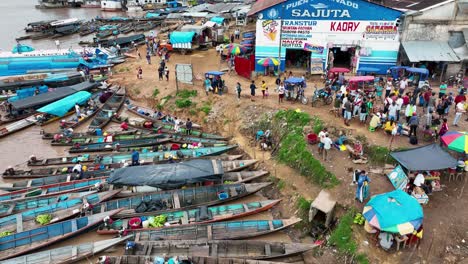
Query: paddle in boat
(23, 242)
(195, 216)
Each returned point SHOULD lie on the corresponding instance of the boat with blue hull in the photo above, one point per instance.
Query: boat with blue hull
(27, 241)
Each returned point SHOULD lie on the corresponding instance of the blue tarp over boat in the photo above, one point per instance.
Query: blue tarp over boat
(27, 92)
(22, 48)
(62, 106)
(43, 99)
(181, 37)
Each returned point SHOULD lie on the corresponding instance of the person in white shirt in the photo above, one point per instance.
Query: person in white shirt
(403, 85)
(392, 111)
(419, 181)
(388, 87)
(460, 109)
(321, 137)
(78, 169)
(57, 44)
(77, 110)
(399, 103)
(176, 125)
(327, 143)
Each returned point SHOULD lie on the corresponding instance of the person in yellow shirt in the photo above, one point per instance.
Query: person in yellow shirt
(264, 90)
(389, 126)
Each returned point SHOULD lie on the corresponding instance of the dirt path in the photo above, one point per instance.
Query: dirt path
(445, 224)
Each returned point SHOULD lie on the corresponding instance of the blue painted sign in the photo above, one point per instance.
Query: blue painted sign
(329, 10)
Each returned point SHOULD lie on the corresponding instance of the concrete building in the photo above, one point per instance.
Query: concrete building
(434, 36)
(311, 35)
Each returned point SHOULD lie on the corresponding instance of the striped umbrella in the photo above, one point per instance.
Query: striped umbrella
(268, 62)
(235, 49)
(457, 141)
(394, 212)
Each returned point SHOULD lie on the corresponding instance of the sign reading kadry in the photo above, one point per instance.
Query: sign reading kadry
(294, 33)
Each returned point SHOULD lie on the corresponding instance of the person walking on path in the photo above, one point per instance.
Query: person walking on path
(139, 73)
(460, 109)
(321, 137)
(188, 126)
(414, 123)
(264, 90)
(442, 89)
(237, 33)
(252, 90)
(166, 73)
(148, 58)
(207, 85)
(327, 143)
(238, 90)
(348, 111)
(160, 73)
(281, 92)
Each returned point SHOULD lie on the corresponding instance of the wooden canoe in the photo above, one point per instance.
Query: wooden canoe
(60, 211)
(243, 176)
(36, 183)
(108, 110)
(121, 146)
(19, 125)
(93, 170)
(51, 190)
(147, 157)
(218, 231)
(200, 215)
(244, 249)
(27, 241)
(68, 254)
(135, 109)
(135, 259)
(178, 199)
(164, 128)
(144, 149)
(21, 206)
(77, 135)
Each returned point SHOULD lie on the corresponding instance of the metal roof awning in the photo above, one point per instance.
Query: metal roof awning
(418, 51)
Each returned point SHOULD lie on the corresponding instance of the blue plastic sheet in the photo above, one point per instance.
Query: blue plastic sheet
(62, 106)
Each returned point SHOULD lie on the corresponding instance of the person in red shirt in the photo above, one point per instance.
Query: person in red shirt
(460, 98)
(427, 97)
(406, 99)
(124, 126)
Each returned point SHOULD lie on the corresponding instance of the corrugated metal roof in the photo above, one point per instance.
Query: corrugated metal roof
(410, 5)
(429, 51)
(262, 5)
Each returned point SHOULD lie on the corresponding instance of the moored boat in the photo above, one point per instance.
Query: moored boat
(51, 190)
(36, 202)
(246, 249)
(56, 212)
(27, 241)
(145, 203)
(19, 125)
(137, 259)
(69, 254)
(195, 216)
(120, 146)
(108, 110)
(145, 158)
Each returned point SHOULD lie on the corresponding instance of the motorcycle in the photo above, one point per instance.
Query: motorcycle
(324, 95)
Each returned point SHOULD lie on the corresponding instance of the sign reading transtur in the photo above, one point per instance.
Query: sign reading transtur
(294, 33)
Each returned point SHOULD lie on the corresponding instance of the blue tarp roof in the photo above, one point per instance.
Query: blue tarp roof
(22, 48)
(418, 70)
(181, 37)
(368, 69)
(217, 20)
(62, 106)
(214, 73)
(294, 80)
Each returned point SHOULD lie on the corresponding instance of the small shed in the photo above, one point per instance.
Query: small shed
(323, 203)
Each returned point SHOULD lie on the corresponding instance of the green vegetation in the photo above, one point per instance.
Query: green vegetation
(379, 155)
(342, 238)
(318, 124)
(303, 205)
(159, 107)
(281, 184)
(183, 103)
(293, 149)
(192, 112)
(184, 94)
(155, 92)
(206, 108)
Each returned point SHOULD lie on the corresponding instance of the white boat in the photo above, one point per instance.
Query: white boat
(111, 5)
(132, 6)
(91, 4)
(43, 53)
(64, 22)
(52, 3)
